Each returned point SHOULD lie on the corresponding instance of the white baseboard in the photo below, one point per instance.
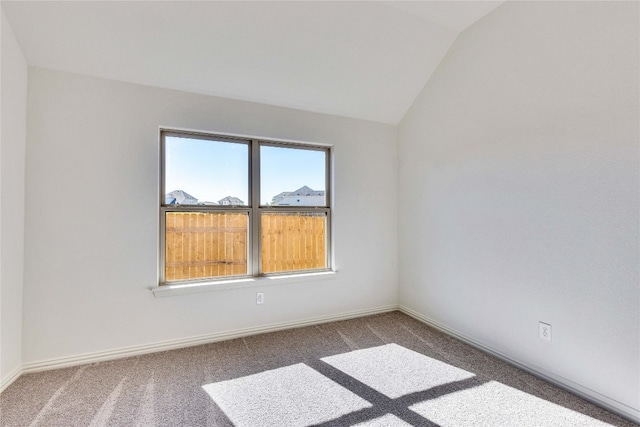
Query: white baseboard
(6, 382)
(100, 356)
(592, 396)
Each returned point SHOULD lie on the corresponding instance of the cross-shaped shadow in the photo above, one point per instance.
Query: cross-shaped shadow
(381, 404)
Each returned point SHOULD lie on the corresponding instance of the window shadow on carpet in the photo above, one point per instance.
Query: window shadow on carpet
(387, 385)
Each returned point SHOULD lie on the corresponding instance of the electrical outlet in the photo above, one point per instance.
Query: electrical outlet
(260, 298)
(545, 331)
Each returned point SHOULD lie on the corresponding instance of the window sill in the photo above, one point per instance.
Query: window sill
(251, 282)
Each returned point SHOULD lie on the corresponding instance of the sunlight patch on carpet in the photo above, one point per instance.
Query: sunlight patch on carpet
(396, 371)
(292, 396)
(494, 404)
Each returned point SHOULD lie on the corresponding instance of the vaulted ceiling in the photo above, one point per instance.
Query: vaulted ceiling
(363, 59)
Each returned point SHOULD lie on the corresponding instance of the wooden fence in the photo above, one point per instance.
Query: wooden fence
(214, 244)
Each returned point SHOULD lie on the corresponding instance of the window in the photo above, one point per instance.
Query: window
(237, 207)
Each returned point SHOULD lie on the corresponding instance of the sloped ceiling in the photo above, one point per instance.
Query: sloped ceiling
(366, 60)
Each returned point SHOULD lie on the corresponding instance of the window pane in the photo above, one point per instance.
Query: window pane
(200, 171)
(205, 244)
(293, 241)
(292, 176)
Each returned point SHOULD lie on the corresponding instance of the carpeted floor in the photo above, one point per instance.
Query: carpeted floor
(383, 370)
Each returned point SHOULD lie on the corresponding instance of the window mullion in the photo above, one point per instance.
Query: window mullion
(256, 241)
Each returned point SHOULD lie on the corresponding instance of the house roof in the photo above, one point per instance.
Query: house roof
(303, 196)
(180, 197)
(302, 191)
(231, 200)
(306, 191)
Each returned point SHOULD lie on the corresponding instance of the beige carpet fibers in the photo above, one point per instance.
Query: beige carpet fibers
(383, 370)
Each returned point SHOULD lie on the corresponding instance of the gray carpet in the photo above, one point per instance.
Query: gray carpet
(383, 370)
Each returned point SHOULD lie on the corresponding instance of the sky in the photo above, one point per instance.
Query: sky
(211, 170)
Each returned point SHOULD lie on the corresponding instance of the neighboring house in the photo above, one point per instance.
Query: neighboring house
(230, 200)
(303, 196)
(180, 197)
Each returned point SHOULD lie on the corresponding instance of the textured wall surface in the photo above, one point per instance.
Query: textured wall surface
(520, 164)
(13, 91)
(91, 255)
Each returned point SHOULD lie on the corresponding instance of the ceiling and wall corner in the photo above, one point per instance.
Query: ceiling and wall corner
(365, 60)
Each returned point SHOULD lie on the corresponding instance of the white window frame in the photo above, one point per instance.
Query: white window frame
(253, 208)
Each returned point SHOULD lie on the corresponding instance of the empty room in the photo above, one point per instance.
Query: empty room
(319, 213)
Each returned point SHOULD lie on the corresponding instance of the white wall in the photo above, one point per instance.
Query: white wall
(92, 227)
(519, 181)
(13, 112)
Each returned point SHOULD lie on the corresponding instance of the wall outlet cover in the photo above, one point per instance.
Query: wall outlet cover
(545, 331)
